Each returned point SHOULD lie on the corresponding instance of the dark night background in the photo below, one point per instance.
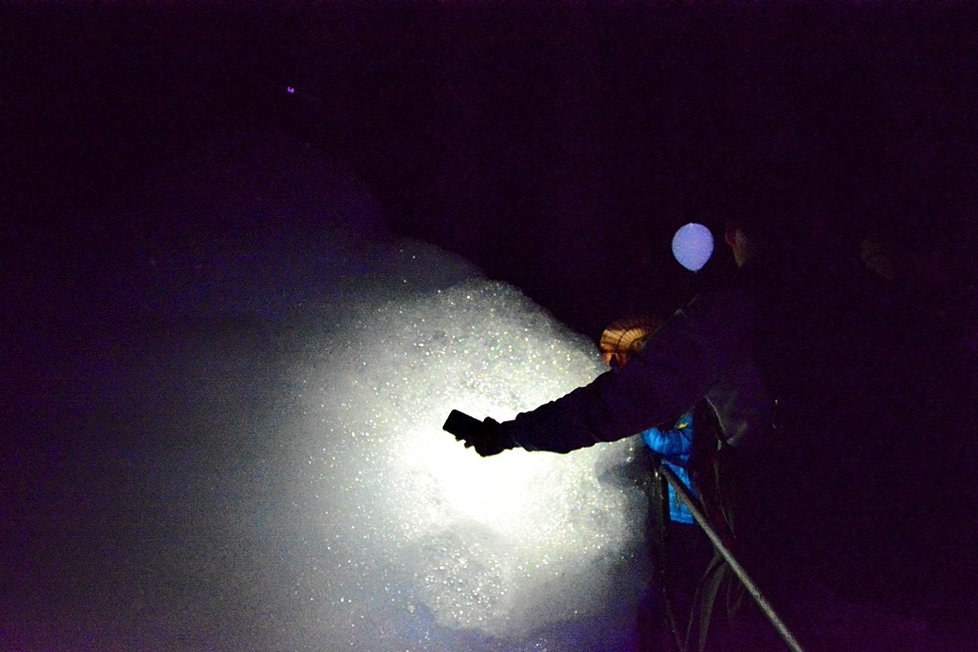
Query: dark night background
(556, 145)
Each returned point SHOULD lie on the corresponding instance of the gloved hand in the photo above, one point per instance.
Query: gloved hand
(485, 436)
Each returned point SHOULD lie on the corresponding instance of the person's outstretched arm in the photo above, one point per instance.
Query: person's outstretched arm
(687, 357)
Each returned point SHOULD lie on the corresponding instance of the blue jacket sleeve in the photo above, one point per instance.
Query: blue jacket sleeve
(675, 444)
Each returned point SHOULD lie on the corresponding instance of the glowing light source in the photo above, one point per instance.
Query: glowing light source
(497, 545)
(692, 246)
(290, 90)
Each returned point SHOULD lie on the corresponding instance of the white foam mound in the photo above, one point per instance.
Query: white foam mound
(267, 469)
(415, 530)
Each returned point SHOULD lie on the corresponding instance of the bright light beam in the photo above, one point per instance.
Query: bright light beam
(506, 544)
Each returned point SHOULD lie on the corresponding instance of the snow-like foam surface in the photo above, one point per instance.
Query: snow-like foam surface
(260, 464)
(505, 545)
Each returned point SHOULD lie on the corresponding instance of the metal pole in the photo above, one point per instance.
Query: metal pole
(660, 494)
(694, 506)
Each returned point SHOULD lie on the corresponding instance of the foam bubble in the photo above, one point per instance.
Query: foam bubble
(504, 545)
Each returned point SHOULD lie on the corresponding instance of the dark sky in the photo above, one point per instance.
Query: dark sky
(556, 145)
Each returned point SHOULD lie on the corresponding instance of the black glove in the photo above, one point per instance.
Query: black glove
(485, 436)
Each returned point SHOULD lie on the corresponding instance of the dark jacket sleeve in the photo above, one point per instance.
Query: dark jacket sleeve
(677, 368)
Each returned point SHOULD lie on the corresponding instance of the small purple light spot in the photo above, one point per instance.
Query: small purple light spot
(290, 90)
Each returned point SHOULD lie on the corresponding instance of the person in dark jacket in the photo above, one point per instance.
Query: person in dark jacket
(705, 350)
(673, 445)
(705, 354)
(681, 552)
